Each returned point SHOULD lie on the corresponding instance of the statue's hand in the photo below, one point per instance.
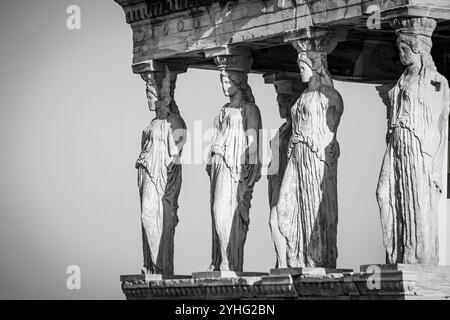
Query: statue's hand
(141, 163)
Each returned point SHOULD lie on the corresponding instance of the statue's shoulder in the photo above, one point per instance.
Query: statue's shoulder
(250, 108)
(331, 92)
(441, 80)
(333, 97)
(176, 121)
(441, 86)
(148, 128)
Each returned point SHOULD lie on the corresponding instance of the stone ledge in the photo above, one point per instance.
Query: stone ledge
(225, 274)
(395, 282)
(307, 271)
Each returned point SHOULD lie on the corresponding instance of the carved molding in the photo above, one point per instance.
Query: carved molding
(141, 10)
(314, 39)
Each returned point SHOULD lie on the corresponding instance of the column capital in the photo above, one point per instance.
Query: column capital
(231, 58)
(419, 29)
(160, 79)
(316, 39)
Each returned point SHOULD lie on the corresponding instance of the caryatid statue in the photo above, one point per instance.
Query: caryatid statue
(288, 89)
(410, 184)
(159, 172)
(233, 164)
(307, 207)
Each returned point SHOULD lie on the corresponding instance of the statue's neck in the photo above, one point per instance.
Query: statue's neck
(413, 69)
(162, 113)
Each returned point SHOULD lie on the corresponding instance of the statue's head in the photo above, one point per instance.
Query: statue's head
(160, 88)
(310, 63)
(234, 82)
(306, 72)
(228, 86)
(414, 41)
(408, 54)
(312, 58)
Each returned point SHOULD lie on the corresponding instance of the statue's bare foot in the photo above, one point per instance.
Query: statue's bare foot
(144, 270)
(211, 268)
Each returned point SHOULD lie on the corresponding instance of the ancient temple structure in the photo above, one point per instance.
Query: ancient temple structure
(401, 45)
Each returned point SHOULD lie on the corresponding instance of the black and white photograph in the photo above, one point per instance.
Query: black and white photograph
(224, 158)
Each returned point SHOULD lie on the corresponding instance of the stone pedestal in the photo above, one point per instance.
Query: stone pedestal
(225, 274)
(307, 271)
(373, 282)
(411, 280)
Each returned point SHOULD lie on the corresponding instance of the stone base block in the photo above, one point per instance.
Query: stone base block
(150, 277)
(225, 274)
(419, 280)
(331, 285)
(307, 271)
(372, 282)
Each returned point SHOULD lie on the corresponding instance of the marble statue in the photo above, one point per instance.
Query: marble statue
(159, 173)
(307, 207)
(288, 91)
(410, 183)
(233, 165)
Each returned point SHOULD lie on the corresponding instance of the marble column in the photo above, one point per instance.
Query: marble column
(410, 186)
(307, 207)
(288, 88)
(234, 160)
(159, 168)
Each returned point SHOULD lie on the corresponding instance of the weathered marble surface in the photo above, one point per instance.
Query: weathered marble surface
(234, 164)
(159, 173)
(410, 184)
(164, 29)
(430, 281)
(395, 282)
(288, 89)
(225, 274)
(307, 207)
(307, 271)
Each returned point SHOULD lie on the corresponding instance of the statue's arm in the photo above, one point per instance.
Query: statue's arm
(442, 85)
(177, 135)
(252, 166)
(253, 128)
(338, 105)
(384, 91)
(141, 159)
